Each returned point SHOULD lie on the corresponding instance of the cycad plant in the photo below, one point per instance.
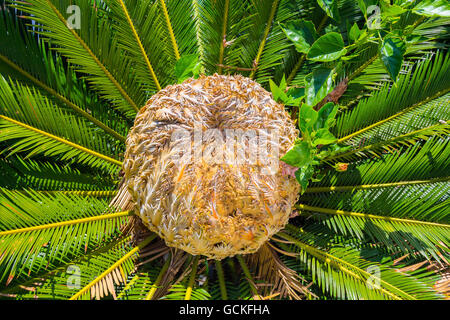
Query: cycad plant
(89, 209)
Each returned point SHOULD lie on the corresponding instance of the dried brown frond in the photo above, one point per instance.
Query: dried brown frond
(334, 95)
(123, 200)
(442, 268)
(443, 284)
(178, 257)
(105, 286)
(281, 280)
(413, 267)
(152, 252)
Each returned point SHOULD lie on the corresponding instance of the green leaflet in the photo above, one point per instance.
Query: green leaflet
(433, 8)
(316, 142)
(323, 136)
(187, 66)
(326, 116)
(291, 97)
(392, 51)
(354, 33)
(391, 11)
(330, 7)
(402, 176)
(328, 47)
(303, 176)
(307, 118)
(301, 32)
(317, 85)
(299, 155)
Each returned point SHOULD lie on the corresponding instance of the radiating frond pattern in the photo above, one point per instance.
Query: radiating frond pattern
(377, 229)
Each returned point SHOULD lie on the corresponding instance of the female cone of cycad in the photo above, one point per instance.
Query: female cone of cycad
(212, 208)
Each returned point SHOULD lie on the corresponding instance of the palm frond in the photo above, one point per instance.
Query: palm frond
(27, 115)
(179, 292)
(139, 285)
(37, 230)
(19, 60)
(374, 227)
(181, 16)
(391, 199)
(65, 281)
(19, 173)
(130, 38)
(391, 226)
(439, 130)
(90, 55)
(125, 262)
(420, 161)
(412, 91)
(344, 274)
(220, 25)
(274, 48)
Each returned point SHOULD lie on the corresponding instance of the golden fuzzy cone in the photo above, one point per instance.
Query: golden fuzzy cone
(202, 166)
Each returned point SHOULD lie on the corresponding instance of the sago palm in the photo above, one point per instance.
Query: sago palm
(92, 205)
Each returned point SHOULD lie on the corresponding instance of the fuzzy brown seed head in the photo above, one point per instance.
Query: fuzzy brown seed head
(206, 206)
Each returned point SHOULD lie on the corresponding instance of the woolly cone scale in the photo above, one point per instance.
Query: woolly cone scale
(212, 205)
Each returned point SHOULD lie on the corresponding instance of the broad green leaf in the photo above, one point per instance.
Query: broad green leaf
(392, 51)
(186, 67)
(326, 116)
(283, 83)
(433, 8)
(317, 85)
(301, 32)
(388, 10)
(277, 93)
(330, 7)
(293, 102)
(299, 155)
(296, 93)
(307, 118)
(303, 175)
(295, 96)
(354, 33)
(292, 97)
(328, 47)
(324, 136)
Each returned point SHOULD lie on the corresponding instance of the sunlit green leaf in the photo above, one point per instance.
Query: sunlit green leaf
(301, 32)
(324, 136)
(326, 116)
(299, 155)
(330, 7)
(392, 51)
(388, 10)
(317, 85)
(187, 66)
(354, 33)
(328, 47)
(303, 175)
(307, 117)
(433, 8)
